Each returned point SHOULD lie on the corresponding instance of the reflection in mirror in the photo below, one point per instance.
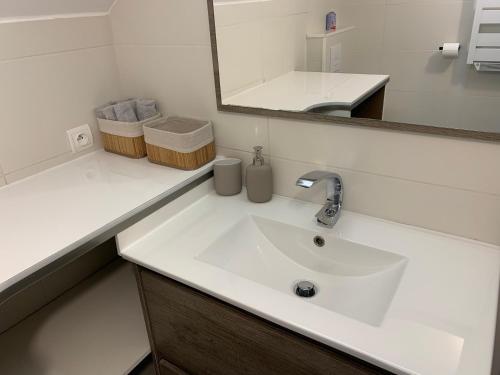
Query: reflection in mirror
(373, 59)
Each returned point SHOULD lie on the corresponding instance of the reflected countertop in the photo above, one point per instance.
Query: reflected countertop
(48, 215)
(304, 91)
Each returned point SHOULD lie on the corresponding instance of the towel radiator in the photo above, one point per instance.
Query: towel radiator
(484, 49)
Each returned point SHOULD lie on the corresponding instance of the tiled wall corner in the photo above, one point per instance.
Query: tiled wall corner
(177, 71)
(259, 41)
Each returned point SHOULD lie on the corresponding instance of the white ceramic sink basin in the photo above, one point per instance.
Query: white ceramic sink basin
(390, 294)
(351, 279)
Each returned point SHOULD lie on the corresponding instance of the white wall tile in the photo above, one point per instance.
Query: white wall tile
(430, 72)
(259, 41)
(274, 36)
(228, 14)
(442, 109)
(422, 108)
(241, 132)
(240, 57)
(180, 77)
(435, 160)
(368, 18)
(22, 39)
(175, 22)
(467, 110)
(45, 164)
(47, 95)
(33, 8)
(454, 211)
(278, 8)
(245, 157)
(444, 21)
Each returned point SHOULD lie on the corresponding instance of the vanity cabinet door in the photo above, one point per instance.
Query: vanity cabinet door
(200, 335)
(166, 368)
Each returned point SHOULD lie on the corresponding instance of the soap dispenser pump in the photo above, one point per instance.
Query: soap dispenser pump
(259, 179)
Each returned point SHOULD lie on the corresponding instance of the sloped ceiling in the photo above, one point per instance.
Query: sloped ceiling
(37, 8)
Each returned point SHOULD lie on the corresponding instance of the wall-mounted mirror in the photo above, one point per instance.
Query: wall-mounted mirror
(365, 62)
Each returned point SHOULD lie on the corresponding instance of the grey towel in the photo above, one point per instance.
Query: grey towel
(106, 112)
(125, 111)
(146, 108)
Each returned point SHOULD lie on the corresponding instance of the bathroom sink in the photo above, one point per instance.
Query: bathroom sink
(387, 293)
(351, 279)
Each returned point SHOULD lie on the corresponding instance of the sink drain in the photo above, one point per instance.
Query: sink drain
(319, 241)
(305, 289)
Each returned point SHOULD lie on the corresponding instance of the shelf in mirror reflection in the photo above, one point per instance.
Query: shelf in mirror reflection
(336, 94)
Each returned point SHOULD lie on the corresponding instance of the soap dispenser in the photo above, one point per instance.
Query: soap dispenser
(259, 179)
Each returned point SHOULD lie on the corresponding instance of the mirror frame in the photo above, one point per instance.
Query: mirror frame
(334, 120)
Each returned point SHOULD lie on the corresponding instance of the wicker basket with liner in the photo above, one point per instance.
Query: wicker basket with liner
(125, 138)
(180, 142)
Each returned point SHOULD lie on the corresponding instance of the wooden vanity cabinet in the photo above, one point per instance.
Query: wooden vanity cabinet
(193, 333)
(372, 107)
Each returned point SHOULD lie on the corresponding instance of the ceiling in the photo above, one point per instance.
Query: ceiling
(37, 8)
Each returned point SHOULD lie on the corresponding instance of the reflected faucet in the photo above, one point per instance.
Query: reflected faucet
(330, 213)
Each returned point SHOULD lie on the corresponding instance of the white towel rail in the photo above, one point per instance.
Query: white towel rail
(485, 39)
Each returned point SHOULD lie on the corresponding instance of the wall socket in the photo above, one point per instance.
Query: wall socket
(80, 138)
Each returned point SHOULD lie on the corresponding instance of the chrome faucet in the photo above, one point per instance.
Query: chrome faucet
(330, 213)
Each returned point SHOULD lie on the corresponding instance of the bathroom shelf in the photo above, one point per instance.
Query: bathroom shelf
(95, 328)
(330, 34)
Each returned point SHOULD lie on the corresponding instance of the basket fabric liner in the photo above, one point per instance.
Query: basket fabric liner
(179, 134)
(125, 129)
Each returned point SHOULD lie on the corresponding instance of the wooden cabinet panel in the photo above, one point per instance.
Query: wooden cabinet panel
(166, 368)
(372, 107)
(200, 335)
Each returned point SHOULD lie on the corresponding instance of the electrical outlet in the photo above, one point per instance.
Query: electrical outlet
(80, 138)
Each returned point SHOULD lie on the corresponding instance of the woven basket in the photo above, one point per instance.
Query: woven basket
(125, 138)
(179, 142)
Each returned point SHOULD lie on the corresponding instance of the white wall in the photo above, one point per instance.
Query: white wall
(445, 184)
(53, 73)
(37, 8)
(259, 41)
(401, 39)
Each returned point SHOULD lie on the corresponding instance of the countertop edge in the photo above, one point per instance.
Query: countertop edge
(76, 249)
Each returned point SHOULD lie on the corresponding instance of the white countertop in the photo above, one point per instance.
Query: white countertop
(303, 91)
(49, 214)
(441, 320)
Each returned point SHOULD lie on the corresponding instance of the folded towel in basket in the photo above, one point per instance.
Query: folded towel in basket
(146, 108)
(106, 112)
(125, 111)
